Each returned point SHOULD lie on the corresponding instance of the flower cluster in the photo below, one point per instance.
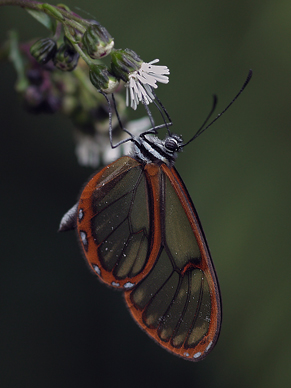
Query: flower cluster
(92, 42)
(53, 76)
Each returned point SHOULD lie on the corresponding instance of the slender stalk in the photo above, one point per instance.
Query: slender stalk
(22, 3)
(90, 90)
(71, 17)
(77, 48)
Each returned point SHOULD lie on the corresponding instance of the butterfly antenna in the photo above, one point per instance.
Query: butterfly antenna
(202, 129)
(214, 103)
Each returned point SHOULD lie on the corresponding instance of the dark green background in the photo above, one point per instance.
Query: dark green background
(59, 327)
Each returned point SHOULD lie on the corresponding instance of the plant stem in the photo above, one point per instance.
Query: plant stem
(22, 3)
(77, 48)
(36, 5)
(88, 89)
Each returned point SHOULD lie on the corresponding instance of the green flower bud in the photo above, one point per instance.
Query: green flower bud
(97, 41)
(125, 62)
(102, 79)
(43, 50)
(66, 58)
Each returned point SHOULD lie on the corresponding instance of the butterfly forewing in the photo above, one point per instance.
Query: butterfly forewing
(114, 223)
(178, 302)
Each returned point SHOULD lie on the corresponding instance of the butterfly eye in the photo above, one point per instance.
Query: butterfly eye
(171, 144)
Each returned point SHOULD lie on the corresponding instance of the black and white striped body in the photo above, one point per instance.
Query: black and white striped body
(151, 149)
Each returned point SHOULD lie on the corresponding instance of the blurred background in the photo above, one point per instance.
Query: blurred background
(59, 326)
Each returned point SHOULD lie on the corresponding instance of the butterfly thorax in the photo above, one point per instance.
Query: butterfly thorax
(150, 149)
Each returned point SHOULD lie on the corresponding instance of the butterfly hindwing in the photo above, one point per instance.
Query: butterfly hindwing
(178, 302)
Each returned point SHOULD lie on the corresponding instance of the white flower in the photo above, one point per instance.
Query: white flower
(140, 83)
(94, 150)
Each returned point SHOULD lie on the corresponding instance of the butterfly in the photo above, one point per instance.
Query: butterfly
(140, 233)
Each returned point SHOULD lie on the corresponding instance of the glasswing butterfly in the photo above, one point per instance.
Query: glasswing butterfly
(140, 233)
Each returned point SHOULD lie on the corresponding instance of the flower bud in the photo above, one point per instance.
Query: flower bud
(125, 62)
(66, 58)
(43, 50)
(97, 41)
(102, 79)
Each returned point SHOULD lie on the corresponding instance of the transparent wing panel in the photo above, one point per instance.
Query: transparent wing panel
(116, 219)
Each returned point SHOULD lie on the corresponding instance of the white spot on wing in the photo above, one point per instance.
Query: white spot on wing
(128, 285)
(81, 214)
(208, 346)
(186, 354)
(83, 236)
(96, 269)
(196, 355)
(115, 284)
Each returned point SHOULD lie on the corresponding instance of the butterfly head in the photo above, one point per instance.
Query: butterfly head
(150, 149)
(173, 143)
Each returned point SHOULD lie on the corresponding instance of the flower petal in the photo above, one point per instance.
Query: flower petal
(142, 81)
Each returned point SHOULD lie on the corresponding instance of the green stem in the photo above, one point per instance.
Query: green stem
(78, 48)
(73, 20)
(22, 3)
(17, 60)
(88, 89)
